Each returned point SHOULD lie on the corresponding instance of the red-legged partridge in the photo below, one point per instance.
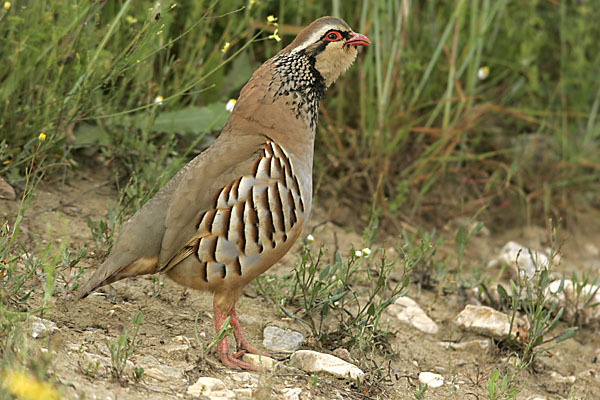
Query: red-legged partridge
(238, 207)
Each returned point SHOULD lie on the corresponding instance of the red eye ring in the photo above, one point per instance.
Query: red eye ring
(332, 36)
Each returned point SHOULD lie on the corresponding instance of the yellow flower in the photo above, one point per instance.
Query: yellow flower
(272, 20)
(6, 5)
(26, 387)
(225, 47)
(275, 36)
(130, 19)
(42, 137)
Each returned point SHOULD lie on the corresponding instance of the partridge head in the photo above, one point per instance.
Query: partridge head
(237, 208)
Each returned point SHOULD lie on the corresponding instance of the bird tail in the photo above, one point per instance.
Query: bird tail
(113, 270)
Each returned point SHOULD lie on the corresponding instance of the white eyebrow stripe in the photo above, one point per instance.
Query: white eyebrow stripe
(312, 39)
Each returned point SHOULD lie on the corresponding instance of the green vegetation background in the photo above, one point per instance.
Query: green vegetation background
(411, 130)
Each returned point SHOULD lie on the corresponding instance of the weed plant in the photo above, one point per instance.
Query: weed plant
(342, 303)
(122, 349)
(532, 297)
(581, 301)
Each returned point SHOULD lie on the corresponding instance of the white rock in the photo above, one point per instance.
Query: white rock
(343, 354)
(263, 362)
(291, 393)
(312, 361)
(519, 257)
(562, 379)
(430, 379)
(212, 388)
(164, 373)
(6, 191)
(74, 347)
(156, 373)
(592, 249)
(39, 327)
(102, 348)
(589, 294)
(174, 348)
(147, 361)
(279, 340)
(408, 311)
(484, 320)
(482, 344)
(244, 393)
(247, 379)
(182, 339)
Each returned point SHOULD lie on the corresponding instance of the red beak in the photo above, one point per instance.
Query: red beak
(358, 39)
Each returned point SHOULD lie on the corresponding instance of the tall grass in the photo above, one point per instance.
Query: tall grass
(420, 133)
(428, 137)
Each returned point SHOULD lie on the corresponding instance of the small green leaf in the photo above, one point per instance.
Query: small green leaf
(556, 319)
(324, 272)
(371, 310)
(504, 383)
(491, 386)
(561, 285)
(567, 334)
(192, 120)
(502, 293)
(88, 134)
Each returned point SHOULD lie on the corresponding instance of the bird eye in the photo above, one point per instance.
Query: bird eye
(333, 36)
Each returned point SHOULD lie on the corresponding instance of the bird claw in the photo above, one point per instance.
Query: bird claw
(231, 361)
(243, 346)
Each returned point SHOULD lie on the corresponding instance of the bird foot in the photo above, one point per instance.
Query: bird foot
(243, 346)
(232, 361)
(246, 348)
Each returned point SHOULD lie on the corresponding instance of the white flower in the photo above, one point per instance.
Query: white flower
(483, 73)
(310, 238)
(230, 105)
(358, 253)
(366, 252)
(158, 100)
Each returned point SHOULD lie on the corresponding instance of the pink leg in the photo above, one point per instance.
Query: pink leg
(223, 352)
(242, 342)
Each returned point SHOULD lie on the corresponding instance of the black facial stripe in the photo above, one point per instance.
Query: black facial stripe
(316, 49)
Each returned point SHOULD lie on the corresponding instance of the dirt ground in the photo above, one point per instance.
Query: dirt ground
(172, 360)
